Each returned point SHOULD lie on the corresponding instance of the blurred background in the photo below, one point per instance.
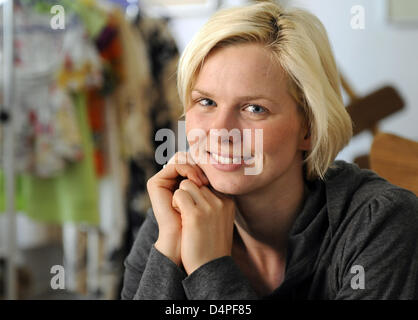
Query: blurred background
(86, 84)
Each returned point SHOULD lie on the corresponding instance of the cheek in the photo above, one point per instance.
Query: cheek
(194, 121)
(280, 137)
(196, 135)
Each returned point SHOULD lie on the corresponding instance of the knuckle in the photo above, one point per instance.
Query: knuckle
(150, 183)
(183, 184)
(175, 158)
(177, 193)
(204, 188)
(206, 207)
(196, 170)
(175, 198)
(218, 203)
(186, 184)
(196, 214)
(178, 158)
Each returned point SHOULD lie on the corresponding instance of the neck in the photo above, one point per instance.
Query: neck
(266, 215)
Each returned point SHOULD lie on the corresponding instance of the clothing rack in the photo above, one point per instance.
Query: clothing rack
(12, 28)
(7, 123)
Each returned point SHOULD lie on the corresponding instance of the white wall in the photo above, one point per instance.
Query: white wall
(381, 53)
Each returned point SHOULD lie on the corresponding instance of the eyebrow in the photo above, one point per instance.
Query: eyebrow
(241, 97)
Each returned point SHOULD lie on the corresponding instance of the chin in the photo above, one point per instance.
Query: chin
(227, 189)
(229, 186)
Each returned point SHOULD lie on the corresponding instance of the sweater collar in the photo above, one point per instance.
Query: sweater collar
(320, 216)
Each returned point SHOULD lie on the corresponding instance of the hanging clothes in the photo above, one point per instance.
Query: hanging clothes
(164, 111)
(73, 195)
(58, 126)
(88, 134)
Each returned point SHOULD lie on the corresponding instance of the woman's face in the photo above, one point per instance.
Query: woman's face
(240, 87)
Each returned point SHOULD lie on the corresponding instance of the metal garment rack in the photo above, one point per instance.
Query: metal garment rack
(7, 118)
(7, 111)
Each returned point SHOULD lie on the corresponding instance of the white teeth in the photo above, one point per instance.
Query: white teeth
(226, 160)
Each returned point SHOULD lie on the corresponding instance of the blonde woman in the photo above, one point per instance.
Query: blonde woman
(305, 226)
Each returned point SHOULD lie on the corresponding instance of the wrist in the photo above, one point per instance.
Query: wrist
(169, 248)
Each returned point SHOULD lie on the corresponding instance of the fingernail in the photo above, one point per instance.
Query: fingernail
(204, 178)
(198, 180)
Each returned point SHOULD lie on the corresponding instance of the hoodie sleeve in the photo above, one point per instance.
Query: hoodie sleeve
(219, 279)
(380, 257)
(150, 275)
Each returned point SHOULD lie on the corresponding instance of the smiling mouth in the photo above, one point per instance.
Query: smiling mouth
(227, 159)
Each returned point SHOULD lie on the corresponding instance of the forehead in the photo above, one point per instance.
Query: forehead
(241, 68)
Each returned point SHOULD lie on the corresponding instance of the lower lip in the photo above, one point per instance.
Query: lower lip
(224, 167)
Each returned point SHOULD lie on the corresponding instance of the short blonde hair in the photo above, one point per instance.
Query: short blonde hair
(299, 42)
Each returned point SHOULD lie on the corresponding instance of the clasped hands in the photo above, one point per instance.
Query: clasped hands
(195, 223)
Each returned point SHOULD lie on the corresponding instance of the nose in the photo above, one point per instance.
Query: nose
(225, 126)
(224, 118)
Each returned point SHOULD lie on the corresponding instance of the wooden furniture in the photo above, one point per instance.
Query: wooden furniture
(367, 111)
(395, 159)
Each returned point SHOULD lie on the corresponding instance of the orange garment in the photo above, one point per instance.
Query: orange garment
(96, 116)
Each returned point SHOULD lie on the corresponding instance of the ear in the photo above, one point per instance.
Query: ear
(305, 139)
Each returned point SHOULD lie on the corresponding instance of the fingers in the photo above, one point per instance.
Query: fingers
(183, 200)
(186, 158)
(174, 204)
(195, 192)
(207, 193)
(215, 197)
(203, 197)
(182, 158)
(178, 167)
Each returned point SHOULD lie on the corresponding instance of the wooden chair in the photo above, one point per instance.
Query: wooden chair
(395, 159)
(367, 111)
(392, 157)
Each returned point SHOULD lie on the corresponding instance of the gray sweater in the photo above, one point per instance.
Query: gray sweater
(355, 238)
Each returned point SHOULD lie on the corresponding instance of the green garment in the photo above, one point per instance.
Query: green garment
(70, 197)
(94, 19)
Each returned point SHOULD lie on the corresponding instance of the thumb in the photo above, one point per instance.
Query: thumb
(174, 205)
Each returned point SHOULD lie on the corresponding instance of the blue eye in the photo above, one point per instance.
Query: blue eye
(207, 102)
(253, 108)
